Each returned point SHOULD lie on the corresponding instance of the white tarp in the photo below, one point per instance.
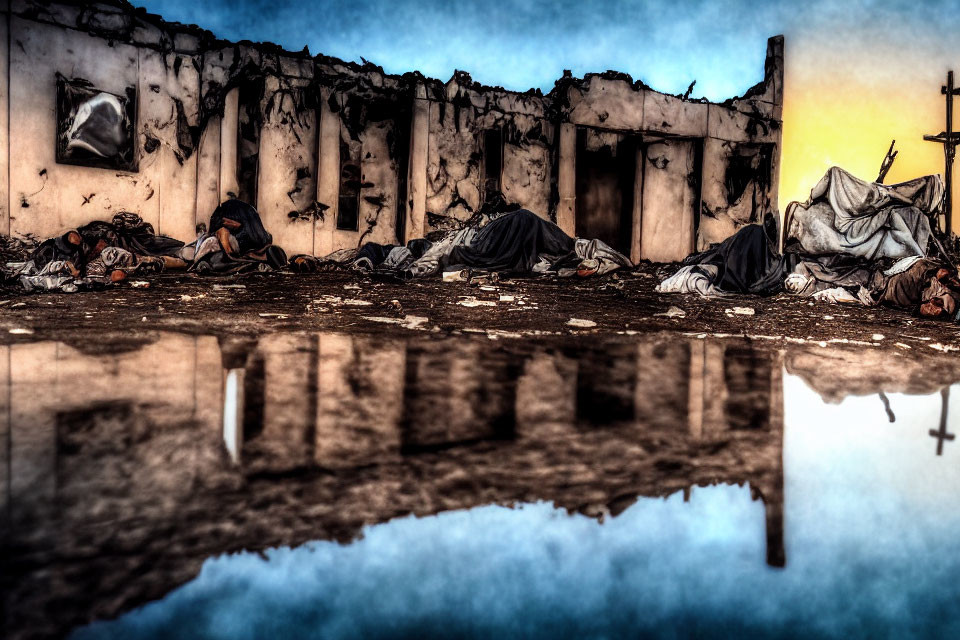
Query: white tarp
(851, 216)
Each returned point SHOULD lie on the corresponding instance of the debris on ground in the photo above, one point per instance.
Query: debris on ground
(741, 311)
(407, 322)
(672, 312)
(472, 301)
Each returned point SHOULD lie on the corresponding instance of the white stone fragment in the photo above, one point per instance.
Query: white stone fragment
(672, 312)
(471, 301)
(408, 322)
(741, 311)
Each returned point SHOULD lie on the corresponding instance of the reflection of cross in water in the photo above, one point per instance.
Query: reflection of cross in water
(942, 434)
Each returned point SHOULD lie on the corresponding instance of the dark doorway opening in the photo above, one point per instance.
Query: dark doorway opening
(403, 125)
(606, 171)
(351, 178)
(492, 164)
(249, 122)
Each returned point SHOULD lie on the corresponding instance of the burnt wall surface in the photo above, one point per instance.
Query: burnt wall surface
(334, 153)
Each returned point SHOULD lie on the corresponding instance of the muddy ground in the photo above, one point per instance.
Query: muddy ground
(621, 304)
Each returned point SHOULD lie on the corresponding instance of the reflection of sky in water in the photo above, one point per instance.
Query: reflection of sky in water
(871, 519)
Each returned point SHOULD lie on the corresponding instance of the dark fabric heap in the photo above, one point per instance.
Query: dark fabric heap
(748, 261)
(516, 242)
(126, 231)
(377, 253)
(251, 236)
(101, 253)
(512, 244)
(254, 250)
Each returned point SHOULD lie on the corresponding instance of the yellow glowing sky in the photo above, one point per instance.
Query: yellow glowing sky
(846, 97)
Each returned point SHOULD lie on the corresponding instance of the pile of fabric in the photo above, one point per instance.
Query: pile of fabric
(852, 241)
(518, 243)
(237, 242)
(101, 253)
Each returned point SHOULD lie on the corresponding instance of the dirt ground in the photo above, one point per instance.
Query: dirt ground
(621, 304)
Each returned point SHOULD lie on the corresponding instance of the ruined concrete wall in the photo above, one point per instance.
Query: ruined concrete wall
(460, 112)
(301, 135)
(372, 115)
(734, 172)
(741, 165)
(45, 197)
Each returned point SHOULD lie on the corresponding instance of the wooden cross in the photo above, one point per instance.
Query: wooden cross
(942, 434)
(949, 139)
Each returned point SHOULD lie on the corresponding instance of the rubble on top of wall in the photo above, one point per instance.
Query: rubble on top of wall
(614, 100)
(764, 99)
(225, 64)
(118, 20)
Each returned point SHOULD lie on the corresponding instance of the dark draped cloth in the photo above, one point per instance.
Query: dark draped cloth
(126, 231)
(374, 252)
(251, 236)
(512, 243)
(748, 261)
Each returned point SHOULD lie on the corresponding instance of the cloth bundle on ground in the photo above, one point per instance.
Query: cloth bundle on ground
(852, 242)
(94, 255)
(516, 242)
(851, 216)
(922, 284)
(100, 253)
(236, 242)
(746, 262)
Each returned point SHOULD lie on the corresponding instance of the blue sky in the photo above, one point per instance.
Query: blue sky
(527, 43)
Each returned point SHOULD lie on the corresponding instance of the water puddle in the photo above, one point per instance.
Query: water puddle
(334, 486)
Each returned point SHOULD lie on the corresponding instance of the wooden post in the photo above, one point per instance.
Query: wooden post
(949, 140)
(948, 149)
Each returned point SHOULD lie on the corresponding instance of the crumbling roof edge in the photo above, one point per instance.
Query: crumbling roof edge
(756, 90)
(209, 41)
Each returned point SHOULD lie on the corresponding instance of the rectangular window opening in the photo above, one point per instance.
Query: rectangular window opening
(351, 179)
(492, 163)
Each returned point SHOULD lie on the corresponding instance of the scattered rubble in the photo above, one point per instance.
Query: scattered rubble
(672, 312)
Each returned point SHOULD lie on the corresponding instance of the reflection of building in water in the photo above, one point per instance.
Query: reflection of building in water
(142, 464)
(66, 408)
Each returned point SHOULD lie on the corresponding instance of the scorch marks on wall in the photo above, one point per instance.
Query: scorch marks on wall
(299, 119)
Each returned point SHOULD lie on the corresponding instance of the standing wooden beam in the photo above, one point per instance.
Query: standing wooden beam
(948, 150)
(949, 140)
